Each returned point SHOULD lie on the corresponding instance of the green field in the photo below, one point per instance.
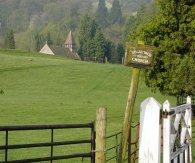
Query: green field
(39, 89)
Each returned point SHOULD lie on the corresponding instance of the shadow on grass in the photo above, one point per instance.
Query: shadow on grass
(26, 68)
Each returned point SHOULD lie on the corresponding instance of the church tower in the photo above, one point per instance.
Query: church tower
(69, 43)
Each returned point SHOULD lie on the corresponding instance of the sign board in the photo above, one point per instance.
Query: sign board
(140, 56)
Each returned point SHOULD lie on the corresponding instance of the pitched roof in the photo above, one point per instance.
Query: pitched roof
(57, 50)
(69, 39)
(46, 49)
(64, 52)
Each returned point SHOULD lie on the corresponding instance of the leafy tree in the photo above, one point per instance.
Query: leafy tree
(129, 28)
(9, 40)
(172, 32)
(48, 39)
(55, 34)
(102, 14)
(31, 40)
(144, 14)
(115, 13)
(54, 11)
(38, 41)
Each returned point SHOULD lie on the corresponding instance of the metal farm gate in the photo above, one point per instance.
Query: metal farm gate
(7, 147)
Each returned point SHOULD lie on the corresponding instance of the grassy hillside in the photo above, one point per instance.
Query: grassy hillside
(64, 90)
(39, 89)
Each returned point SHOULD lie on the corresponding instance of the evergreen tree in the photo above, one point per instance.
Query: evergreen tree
(120, 52)
(9, 40)
(114, 57)
(108, 49)
(172, 31)
(91, 39)
(100, 43)
(115, 13)
(102, 14)
(87, 30)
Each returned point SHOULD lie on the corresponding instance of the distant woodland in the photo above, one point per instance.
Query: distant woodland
(33, 22)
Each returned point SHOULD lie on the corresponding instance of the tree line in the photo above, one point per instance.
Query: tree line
(32, 22)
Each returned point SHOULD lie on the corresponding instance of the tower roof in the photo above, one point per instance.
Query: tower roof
(69, 39)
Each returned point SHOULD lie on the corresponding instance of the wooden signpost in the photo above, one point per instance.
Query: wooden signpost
(136, 56)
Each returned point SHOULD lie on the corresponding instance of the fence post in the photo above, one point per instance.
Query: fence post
(189, 126)
(122, 61)
(166, 133)
(100, 156)
(150, 132)
(106, 60)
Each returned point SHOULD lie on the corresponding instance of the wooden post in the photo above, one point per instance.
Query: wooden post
(128, 114)
(136, 56)
(122, 60)
(106, 60)
(129, 146)
(136, 144)
(100, 156)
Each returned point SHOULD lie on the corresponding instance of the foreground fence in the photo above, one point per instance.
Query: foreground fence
(163, 134)
(112, 150)
(7, 147)
(177, 132)
(182, 100)
(132, 151)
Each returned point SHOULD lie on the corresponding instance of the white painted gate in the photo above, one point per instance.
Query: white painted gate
(177, 132)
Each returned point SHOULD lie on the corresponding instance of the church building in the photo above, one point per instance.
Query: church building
(66, 51)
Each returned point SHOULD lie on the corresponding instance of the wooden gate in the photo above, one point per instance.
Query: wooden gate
(176, 132)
